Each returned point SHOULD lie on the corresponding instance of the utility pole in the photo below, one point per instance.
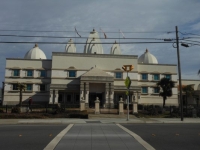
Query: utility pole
(179, 73)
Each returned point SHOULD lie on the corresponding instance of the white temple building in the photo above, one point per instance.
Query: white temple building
(70, 76)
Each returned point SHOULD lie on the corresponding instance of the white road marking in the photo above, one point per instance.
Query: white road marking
(137, 137)
(57, 139)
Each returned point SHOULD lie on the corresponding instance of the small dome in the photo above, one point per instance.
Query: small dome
(90, 46)
(147, 58)
(35, 53)
(115, 49)
(70, 47)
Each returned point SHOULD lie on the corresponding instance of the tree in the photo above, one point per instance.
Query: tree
(21, 87)
(189, 91)
(165, 85)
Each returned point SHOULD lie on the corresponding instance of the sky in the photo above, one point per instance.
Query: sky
(153, 19)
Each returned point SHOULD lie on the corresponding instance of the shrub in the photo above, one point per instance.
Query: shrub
(82, 114)
(1, 111)
(15, 110)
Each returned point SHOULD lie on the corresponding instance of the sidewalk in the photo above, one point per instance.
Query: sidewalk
(98, 120)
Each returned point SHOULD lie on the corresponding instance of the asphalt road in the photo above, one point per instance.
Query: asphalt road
(168, 136)
(27, 137)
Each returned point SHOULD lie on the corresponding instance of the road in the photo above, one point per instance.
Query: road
(169, 136)
(160, 136)
(27, 137)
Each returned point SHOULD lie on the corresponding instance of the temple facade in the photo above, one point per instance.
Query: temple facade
(69, 76)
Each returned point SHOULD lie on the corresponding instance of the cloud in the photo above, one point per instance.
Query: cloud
(152, 19)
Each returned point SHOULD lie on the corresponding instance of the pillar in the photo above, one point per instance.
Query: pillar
(135, 103)
(107, 96)
(86, 90)
(51, 97)
(82, 90)
(135, 108)
(82, 104)
(111, 95)
(97, 111)
(56, 97)
(121, 107)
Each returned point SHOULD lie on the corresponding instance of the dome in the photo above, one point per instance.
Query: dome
(115, 49)
(35, 53)
(70, 47)
(90, 46)
(147, 58)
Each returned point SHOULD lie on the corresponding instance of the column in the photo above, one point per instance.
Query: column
(121, 107)
(82, 104)
(97, 111)
(111, 89)
(136, 97)
(86, 94)
(82, 90)
(135, 103)
(56, 97)
(51, 97)
(107, 96)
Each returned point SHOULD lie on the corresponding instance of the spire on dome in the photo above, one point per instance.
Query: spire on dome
(70, 47)
(115, 49)
(36, 45)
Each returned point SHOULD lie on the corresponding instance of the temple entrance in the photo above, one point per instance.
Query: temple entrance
(92, 98)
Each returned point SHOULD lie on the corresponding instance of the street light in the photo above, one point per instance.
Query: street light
(127, 68)
(185, 45)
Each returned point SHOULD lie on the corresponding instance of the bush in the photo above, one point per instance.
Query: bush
(82, 114)
(1, 111)
(15, 110)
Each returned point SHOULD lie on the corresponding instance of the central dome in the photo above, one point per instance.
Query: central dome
(93, 44)
(147, 58)
(35, 53)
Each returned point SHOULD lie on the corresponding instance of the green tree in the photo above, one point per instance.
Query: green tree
(189, 91)
(165, 85)
(21, 87)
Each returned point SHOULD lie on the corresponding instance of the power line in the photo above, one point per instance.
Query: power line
(81, 31)
(4, 42)
(76, 37)
(192, 41)
(185, 33)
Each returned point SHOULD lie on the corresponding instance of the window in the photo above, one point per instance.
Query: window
(29, 87)
(42, 87)
(72, 73)
(42, 73)
(60, 97)
(16, 72)
(29, 73)
(156, 77)
(69, 98)
(144, 76)
(77, 98)
(156, 90)
(118, 75)
(168, 76)
(144, 90)
(15, 87)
